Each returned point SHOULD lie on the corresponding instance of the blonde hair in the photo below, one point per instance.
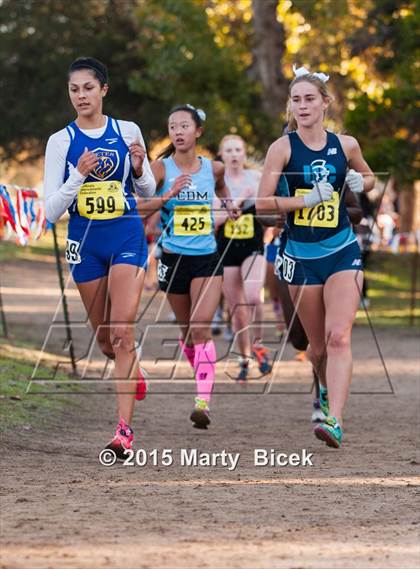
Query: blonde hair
(314, 80)
(228, 137)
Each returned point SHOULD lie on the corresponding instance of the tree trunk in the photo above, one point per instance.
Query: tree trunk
(268, 53)
(407, 205)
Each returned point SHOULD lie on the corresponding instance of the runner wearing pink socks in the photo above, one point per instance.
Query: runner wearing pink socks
(188, 351)
(190, 271)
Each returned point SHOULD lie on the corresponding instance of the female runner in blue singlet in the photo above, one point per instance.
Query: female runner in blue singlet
(190, 270)
(321, 260)
(93, 168)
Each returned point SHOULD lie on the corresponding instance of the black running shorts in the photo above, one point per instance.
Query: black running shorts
(176, 272)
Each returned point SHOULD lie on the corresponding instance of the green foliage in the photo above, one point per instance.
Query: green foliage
(164, 52)
(387, 125)
(384, 131)
(159, 53)
(38, 41)
(183, 63)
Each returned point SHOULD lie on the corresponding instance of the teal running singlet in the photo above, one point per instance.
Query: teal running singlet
(187, 219)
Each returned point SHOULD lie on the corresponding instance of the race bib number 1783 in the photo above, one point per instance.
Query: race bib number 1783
(324, 214)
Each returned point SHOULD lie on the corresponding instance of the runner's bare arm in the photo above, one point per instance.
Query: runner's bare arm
(222, 191)
(147, 206)
(142, 177)
(356, 160)
(267, 203)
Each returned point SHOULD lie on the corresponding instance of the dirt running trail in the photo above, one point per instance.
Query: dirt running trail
(353, 509)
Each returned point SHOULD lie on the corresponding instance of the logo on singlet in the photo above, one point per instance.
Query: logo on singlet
(190, 193)
(319, 171)
(109, 161)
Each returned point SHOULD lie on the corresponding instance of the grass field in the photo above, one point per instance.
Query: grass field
(21, 409)
(390, 284)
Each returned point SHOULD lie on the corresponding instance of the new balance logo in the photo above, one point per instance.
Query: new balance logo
(356, 263)
(331, 151)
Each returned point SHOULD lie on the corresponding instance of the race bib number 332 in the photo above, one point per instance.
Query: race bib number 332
(192, 220)
(324, 214)
(101, 200)
(242, 228)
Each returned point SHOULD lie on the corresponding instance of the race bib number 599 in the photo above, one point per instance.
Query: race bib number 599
(101, 200)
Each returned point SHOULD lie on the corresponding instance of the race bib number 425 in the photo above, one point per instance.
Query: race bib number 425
(324, 214)
(101, 200)
(192, 220)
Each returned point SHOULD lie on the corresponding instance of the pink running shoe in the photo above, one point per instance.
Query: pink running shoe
(141, 387)
(122, 441)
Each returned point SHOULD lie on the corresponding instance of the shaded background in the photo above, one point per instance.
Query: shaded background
(233, 58)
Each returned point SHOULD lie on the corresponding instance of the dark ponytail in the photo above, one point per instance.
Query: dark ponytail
(166, 152)
(198, 116)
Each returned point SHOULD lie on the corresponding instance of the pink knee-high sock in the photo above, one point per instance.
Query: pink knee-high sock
(188, 351)
(205, 369)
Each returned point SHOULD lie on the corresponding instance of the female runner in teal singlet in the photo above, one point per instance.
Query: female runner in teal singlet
(190, 269)
(321, 260)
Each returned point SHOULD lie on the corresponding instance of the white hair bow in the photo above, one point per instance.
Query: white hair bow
(200, 112)
(302, 71)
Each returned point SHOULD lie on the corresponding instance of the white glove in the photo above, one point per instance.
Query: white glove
(321, 192)
(354, 180)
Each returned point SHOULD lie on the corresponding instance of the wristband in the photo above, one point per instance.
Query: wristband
(223, 202)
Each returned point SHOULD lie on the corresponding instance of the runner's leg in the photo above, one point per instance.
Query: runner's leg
(123, 278)
(338, 327)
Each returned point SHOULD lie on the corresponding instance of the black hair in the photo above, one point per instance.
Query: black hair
(198, 116)
(99, 69)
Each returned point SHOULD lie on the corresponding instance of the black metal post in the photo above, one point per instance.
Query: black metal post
(64, 300)
(414, 282)
(3, 318)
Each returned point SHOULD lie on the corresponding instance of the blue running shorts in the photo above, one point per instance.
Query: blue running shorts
(317, 271)
(92, 249)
